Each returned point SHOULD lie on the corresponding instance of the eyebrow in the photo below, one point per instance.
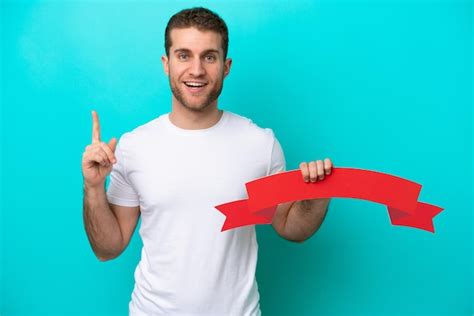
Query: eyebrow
(185, 50)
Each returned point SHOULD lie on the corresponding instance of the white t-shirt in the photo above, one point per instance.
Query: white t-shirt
(177, 176)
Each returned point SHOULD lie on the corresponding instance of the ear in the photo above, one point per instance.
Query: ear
(227, 64)
(166, 67)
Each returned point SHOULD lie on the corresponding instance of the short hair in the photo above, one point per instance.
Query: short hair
(201, 18)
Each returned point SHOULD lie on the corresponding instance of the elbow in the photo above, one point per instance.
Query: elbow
(299, 236)
(103, 257)
(297, 240)
(294, 238)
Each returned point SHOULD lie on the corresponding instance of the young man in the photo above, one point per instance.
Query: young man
(173, 170)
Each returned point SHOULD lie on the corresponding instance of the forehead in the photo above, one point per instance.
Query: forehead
(194, 39)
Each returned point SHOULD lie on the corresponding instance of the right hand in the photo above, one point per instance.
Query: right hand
(98, 158)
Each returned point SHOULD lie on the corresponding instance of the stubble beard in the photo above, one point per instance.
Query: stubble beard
(210, 98)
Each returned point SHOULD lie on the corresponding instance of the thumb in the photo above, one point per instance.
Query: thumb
(113, 144)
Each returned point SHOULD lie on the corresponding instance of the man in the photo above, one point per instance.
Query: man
(173, 170)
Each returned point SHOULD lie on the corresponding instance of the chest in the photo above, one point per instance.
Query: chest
(193, 173)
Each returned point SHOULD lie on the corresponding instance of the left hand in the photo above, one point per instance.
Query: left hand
(316, 170)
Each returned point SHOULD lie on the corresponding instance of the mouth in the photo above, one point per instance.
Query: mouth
(195, 86)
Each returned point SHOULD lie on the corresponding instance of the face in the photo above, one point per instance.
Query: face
(196, 68)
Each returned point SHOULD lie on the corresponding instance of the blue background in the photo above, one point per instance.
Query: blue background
(378, 85)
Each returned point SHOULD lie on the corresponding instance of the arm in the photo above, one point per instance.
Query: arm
(298, 221)
(109, 227)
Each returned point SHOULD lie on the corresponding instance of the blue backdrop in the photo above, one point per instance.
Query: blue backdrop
(379, 85)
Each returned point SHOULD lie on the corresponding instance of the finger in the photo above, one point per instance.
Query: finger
(101, 158)
(113, 144)
(95, 128)
(313, 173)
(320, 167)
(96, 156)
(327, 166)
(108, 151)
(304, 171)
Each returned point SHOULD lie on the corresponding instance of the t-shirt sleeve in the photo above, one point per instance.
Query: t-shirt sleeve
(120, 191)
(277, 157)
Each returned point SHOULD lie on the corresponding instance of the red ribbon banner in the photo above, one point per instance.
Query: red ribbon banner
(398, 194)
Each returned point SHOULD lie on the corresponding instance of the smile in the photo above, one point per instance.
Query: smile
(195, 84)
(195, 87)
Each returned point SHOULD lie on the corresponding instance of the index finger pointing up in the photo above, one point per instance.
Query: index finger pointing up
(95, 128)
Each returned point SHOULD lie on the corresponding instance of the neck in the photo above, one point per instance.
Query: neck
(187, 119)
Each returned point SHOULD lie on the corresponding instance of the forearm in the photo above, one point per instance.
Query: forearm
(101, 224)
(304, 219)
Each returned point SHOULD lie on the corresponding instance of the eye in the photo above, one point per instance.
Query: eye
(183, 56)
(210, 58)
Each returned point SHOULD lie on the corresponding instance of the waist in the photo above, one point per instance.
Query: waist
(195, 291)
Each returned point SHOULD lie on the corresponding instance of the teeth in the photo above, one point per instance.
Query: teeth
(195, 84)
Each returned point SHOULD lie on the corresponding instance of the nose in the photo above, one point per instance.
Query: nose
(197, 68)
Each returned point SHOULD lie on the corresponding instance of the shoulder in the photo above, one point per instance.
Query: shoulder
(140, 133)
(247, 127)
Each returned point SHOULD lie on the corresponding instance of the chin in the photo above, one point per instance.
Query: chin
(196, 107)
